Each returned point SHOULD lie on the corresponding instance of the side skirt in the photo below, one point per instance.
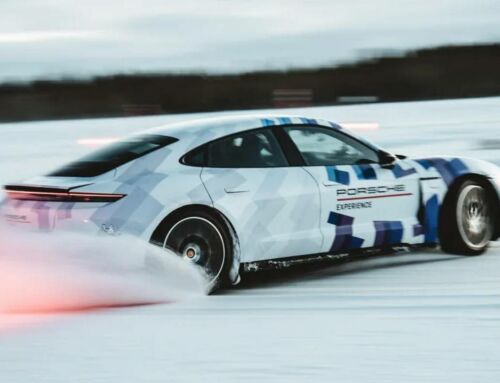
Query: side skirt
(326, 258)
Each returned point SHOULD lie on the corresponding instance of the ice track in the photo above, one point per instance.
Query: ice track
(417, 317)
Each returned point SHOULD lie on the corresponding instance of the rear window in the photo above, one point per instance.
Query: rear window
(114, 155)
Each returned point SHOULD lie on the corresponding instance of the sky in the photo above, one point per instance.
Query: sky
(54, 38)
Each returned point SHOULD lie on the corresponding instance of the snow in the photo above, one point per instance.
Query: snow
(42, 273)
(421, 316)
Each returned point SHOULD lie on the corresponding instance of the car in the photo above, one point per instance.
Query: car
(234, 194)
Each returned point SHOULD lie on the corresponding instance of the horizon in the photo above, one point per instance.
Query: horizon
(379, 55)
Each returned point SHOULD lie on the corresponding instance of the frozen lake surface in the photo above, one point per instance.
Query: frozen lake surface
(416, 317)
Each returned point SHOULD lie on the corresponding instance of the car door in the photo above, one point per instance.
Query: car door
(274, 208)
(363, 203)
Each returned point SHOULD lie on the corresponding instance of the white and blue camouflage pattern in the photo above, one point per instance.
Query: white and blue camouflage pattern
(272, 213)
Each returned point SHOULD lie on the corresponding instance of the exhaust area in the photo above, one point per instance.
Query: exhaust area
(66, 272)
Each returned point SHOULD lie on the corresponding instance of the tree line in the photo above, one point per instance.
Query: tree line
(436, 73)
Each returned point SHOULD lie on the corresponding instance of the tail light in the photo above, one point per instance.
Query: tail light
(34, 193)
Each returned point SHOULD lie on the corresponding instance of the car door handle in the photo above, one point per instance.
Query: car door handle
(235, 190)
(329, 183)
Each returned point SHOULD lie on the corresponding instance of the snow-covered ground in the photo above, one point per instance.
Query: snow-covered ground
(418, 317)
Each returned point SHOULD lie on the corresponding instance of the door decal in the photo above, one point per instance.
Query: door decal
(399, 172)
(365, 172)
(388, 233)
(339, 176)
(344, 240)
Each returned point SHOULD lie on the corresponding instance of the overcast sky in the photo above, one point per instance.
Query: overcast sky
(41, 38)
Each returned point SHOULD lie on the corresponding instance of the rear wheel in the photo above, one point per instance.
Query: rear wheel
(467, 224)
(202, 239)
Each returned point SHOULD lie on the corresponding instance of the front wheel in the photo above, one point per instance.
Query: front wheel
(202, 239)
(466, 221)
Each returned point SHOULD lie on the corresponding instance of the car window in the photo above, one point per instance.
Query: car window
(323, 147)
(195, 158)
(113, 155)
(255, 149)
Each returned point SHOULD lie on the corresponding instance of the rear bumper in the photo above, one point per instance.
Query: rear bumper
(126, 216)
(41, 216)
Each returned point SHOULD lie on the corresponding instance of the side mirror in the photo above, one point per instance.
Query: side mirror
(387, 159)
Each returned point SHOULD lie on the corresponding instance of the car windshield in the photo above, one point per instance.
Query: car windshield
(114, 155)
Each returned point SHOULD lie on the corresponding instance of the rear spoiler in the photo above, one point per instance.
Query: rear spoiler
(43, 193)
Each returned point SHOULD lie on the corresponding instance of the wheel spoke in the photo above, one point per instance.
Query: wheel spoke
(199, 241)
(473, 216)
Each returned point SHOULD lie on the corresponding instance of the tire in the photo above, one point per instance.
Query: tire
(466, 224)
(201, 238)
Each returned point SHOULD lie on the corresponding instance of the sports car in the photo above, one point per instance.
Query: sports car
(236, 193)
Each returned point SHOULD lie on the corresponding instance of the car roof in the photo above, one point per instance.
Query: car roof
(200, 131)
(223, 126)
